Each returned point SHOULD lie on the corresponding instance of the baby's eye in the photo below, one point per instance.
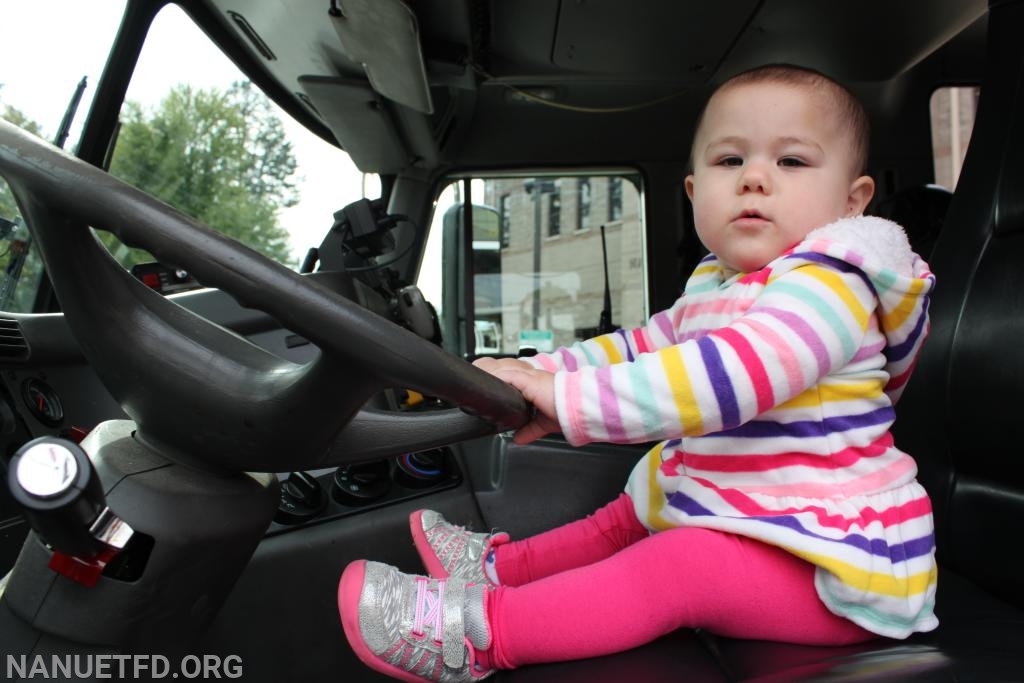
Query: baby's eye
(791, 162)
(730, 161)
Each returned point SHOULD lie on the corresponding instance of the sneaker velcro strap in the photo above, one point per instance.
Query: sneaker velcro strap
(453, 632)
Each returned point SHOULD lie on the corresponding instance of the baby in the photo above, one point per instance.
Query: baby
(775, 505)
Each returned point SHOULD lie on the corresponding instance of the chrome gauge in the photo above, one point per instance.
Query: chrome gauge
(42, 401)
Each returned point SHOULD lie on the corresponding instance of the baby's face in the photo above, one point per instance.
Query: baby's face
(771, 163)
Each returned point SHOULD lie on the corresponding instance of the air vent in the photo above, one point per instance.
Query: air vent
(12, 341)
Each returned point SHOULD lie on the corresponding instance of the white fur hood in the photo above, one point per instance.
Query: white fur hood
(881, 243)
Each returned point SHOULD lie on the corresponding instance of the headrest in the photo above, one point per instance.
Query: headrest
(921, 210)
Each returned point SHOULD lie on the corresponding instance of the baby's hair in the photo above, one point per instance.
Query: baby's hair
(847, 105)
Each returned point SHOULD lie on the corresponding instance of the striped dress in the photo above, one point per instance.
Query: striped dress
(771, 394)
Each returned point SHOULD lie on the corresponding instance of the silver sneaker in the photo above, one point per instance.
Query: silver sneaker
(450, 550)
(414, 628)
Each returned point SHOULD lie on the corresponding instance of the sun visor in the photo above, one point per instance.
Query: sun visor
(384, 36)
(678, 41)
(360, 121)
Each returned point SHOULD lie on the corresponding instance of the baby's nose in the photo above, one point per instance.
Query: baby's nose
(755, 178)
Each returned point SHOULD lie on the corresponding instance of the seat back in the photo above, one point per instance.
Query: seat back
(962, 416)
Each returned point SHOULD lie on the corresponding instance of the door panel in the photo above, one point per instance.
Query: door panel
(525, 490)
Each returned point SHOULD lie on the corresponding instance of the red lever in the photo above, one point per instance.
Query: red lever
(84, 571)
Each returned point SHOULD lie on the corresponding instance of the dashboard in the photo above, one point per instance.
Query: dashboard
(47, 388)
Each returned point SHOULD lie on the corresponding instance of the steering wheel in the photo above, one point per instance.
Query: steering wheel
(204, 396)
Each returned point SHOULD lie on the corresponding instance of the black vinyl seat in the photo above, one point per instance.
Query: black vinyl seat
(961, 417)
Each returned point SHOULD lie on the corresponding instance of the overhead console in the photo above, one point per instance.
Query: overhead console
(375, 96)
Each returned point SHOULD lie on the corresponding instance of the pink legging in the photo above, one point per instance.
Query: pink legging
(604, 584)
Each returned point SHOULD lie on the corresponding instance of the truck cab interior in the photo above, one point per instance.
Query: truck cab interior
(241, 427)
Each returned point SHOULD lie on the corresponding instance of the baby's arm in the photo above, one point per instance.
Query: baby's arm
(537, 387)
(535, 379)
(806, 324)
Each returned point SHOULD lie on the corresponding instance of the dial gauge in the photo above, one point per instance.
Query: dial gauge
(42, 401)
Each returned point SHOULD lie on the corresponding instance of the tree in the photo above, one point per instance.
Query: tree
(219, 156)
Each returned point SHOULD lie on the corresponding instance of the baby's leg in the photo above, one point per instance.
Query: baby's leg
(727, 584)
(594, 538)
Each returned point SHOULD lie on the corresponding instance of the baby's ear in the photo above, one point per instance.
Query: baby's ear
(861, 191)
(688, 184)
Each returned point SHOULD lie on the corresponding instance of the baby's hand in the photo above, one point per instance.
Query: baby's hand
(536, 386)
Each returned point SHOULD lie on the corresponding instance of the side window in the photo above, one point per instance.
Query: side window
(952, 117)
(531, 289)
(197, 134)
(46, 94)
(22, 267)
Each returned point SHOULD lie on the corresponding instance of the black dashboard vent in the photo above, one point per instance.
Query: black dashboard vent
(12, 341)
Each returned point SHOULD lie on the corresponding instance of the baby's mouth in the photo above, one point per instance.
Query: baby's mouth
(751, 218)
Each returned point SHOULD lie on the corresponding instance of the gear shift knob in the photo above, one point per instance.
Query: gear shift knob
(62, 498)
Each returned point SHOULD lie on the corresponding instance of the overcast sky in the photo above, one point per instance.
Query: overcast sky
(47, 46)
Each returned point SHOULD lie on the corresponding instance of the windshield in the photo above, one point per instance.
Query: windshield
(193, 131)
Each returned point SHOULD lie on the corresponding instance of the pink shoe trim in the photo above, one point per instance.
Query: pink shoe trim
(430, 560)
(350, 588)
